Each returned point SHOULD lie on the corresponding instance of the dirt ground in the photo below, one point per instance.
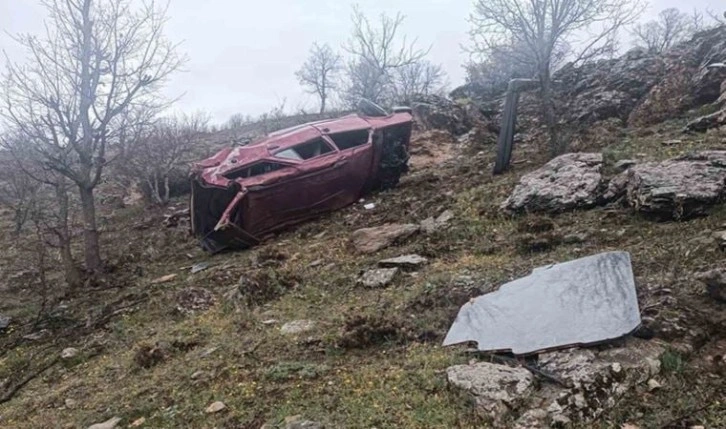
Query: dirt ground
(163, 351)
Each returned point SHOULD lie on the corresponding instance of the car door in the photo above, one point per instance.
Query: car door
(317, 185)
(356, 149)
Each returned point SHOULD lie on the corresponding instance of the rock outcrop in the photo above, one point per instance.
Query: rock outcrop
(589, 382)
(570, 181)
(679, 188)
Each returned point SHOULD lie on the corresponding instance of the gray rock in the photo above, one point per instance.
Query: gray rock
(624, 164)
(69, 353)
(431, 224)
(567, 182)
(497, 389)
(297, 327)
(297, 422)
(679, 188)
(108, 424)
(405, 261)
(704, 123)
(198, 267)
(597, 380)
(370, 240)
(377, 278)
(4, 321)
(715, 281)
(215, 407)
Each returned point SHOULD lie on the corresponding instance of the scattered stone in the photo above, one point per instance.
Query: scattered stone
(138, 422)
(624, 164)
(370, 240)
(672, 142)
(405, 262)
(193, 299)
(70, 403)
(567, 182)
(316, 263)
(269, 321)
(629, 426)
(377, 278)
(575, 238)
(201, 266)
(497, 389)
(163, 279)
(4, 321)
(215, 407)
(297, 327)
(720, 237)
(653, 384)
(108, 424)
(715, 281)
(297, 422)
(69, 353)
(35, 336)
(432, 224)
(199, 374)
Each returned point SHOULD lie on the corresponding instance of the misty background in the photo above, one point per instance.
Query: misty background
(243, 54)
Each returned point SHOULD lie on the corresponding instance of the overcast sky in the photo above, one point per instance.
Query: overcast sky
(243, 53)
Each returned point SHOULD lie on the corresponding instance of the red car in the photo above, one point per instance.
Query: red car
(243, 193)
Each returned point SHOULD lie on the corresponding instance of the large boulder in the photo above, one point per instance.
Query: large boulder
(678, 188)
(715, 281)
(570, 181)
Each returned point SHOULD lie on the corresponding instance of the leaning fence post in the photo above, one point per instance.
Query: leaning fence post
(509, 122)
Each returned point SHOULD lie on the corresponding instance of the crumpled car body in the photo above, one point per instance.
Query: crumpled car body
(243, 193)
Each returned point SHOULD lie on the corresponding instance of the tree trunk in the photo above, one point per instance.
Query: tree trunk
(548, 113)
(72, 274)
(90, 232)
(322, 104)
(166, 189)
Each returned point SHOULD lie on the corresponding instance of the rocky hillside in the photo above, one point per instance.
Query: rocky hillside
(339, 322)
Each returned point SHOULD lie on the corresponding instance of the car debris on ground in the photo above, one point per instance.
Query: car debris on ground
(584, 301)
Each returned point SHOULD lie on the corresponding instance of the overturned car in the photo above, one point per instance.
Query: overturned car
(242, 193)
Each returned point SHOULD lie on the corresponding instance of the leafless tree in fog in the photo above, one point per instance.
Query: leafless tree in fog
(421, 78)
(544, 26)
(377, 51)
(670, 28)
(97, 59)
(40, 195)
(319, 73)
(167, 145)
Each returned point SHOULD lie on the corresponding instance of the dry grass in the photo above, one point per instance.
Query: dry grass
(389, 372)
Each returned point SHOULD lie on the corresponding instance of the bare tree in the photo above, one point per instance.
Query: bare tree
(544, 26)
(166, 146)
(377, 52)
(97, 59)
(670, 28)
(40, 195)
(318, 74)
(421, 78)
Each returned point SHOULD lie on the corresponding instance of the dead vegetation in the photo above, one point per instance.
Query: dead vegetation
(373, 357)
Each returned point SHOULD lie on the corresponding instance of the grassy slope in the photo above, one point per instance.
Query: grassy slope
(391, 375)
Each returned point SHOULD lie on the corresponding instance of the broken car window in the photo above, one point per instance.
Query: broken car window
(307, 150)
(350, 139)
(253, 170)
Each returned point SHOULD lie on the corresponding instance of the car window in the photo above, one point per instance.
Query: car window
(257, 169)
(307, 150)
(350, 139)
